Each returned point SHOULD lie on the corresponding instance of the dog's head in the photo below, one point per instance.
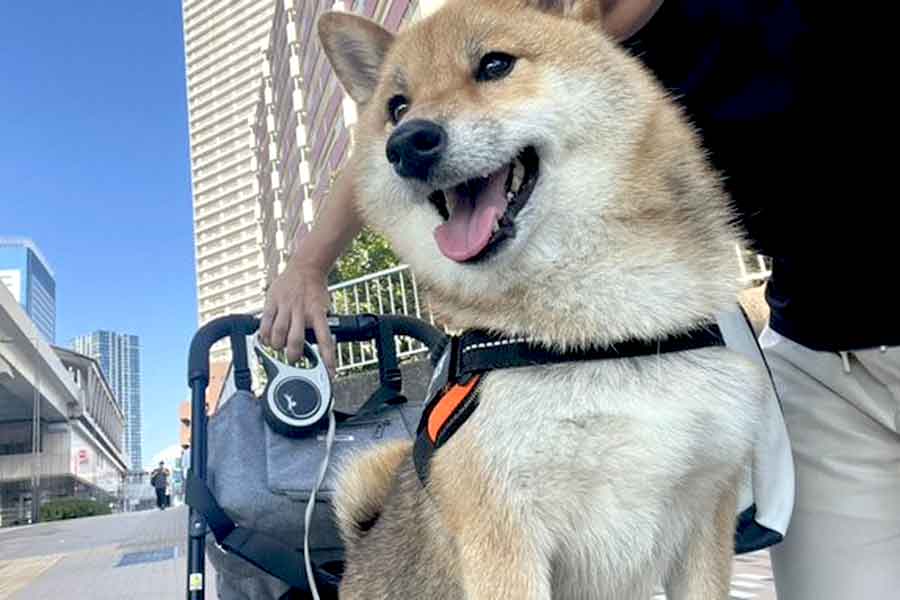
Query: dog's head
(532, 173)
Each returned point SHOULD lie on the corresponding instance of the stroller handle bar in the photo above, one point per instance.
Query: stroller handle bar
(345, 328)
(233, 326)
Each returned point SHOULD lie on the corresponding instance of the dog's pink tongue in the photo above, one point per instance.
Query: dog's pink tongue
(469, 228)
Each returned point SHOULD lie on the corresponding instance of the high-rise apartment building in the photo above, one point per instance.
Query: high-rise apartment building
(28, 277)
(269, 126)
(224, 42)
(119, 356)
(303, 122)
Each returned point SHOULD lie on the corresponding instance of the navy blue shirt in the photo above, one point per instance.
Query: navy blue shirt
(782, 106)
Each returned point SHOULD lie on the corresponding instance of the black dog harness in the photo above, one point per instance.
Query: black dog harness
(453, 392)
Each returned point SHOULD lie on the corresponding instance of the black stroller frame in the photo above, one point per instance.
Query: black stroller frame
(353, 328)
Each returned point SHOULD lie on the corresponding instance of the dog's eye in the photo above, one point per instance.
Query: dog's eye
(495, 65)
(397, 107)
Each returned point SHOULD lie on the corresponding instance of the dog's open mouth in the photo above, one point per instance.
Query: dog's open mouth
(480, 213)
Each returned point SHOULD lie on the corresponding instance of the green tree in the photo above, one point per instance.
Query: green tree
(369, 253)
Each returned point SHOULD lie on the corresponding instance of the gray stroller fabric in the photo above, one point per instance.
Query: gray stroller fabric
(263, 481)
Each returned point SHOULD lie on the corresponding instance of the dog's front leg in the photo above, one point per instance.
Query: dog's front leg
(500, 556)
(500, 564)
(704, 571)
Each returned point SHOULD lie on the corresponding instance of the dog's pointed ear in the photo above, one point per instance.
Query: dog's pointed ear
(363, 487)
(619, 18)
(356, 48)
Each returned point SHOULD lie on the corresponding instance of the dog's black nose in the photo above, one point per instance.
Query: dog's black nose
(415, 147)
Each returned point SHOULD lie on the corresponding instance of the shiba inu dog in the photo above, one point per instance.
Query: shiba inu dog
(543, 186)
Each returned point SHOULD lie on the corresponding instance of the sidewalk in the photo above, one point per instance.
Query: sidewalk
(138, 556)
(142, 556)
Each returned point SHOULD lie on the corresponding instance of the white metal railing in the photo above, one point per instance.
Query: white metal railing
(394, 291)
(389, 292)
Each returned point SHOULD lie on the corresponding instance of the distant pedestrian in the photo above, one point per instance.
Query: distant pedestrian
(159, 479)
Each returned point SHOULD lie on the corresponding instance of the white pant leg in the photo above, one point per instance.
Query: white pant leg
(844, 538)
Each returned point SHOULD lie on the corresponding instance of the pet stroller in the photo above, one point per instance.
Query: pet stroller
(257, 460)
(254, 464)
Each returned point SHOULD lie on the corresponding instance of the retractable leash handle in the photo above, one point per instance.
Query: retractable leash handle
(296, 399)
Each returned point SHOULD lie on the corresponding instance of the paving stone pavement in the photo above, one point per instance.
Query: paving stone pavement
(135, 556)
(141, 556)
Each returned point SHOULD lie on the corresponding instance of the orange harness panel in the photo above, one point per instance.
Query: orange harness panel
(447, 405)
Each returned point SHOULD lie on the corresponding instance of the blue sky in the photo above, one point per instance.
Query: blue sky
(94, 165)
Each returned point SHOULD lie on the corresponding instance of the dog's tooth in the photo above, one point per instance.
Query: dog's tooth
(496, 227)
(450, 199)
(510, 196)
(518, 175)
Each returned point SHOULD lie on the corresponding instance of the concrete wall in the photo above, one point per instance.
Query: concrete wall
(351, 391)
(67, 449)
(32, 362)
(54, 459)
(91, 464)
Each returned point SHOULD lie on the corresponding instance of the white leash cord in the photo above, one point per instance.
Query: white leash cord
(310, 505)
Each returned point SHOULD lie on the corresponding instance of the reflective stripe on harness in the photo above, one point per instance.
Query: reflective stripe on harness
(453, 393)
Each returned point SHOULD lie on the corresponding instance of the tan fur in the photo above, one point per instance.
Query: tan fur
(495, 560)
(592, 480)
(365, 485)
(704, 570)
(754, 302)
